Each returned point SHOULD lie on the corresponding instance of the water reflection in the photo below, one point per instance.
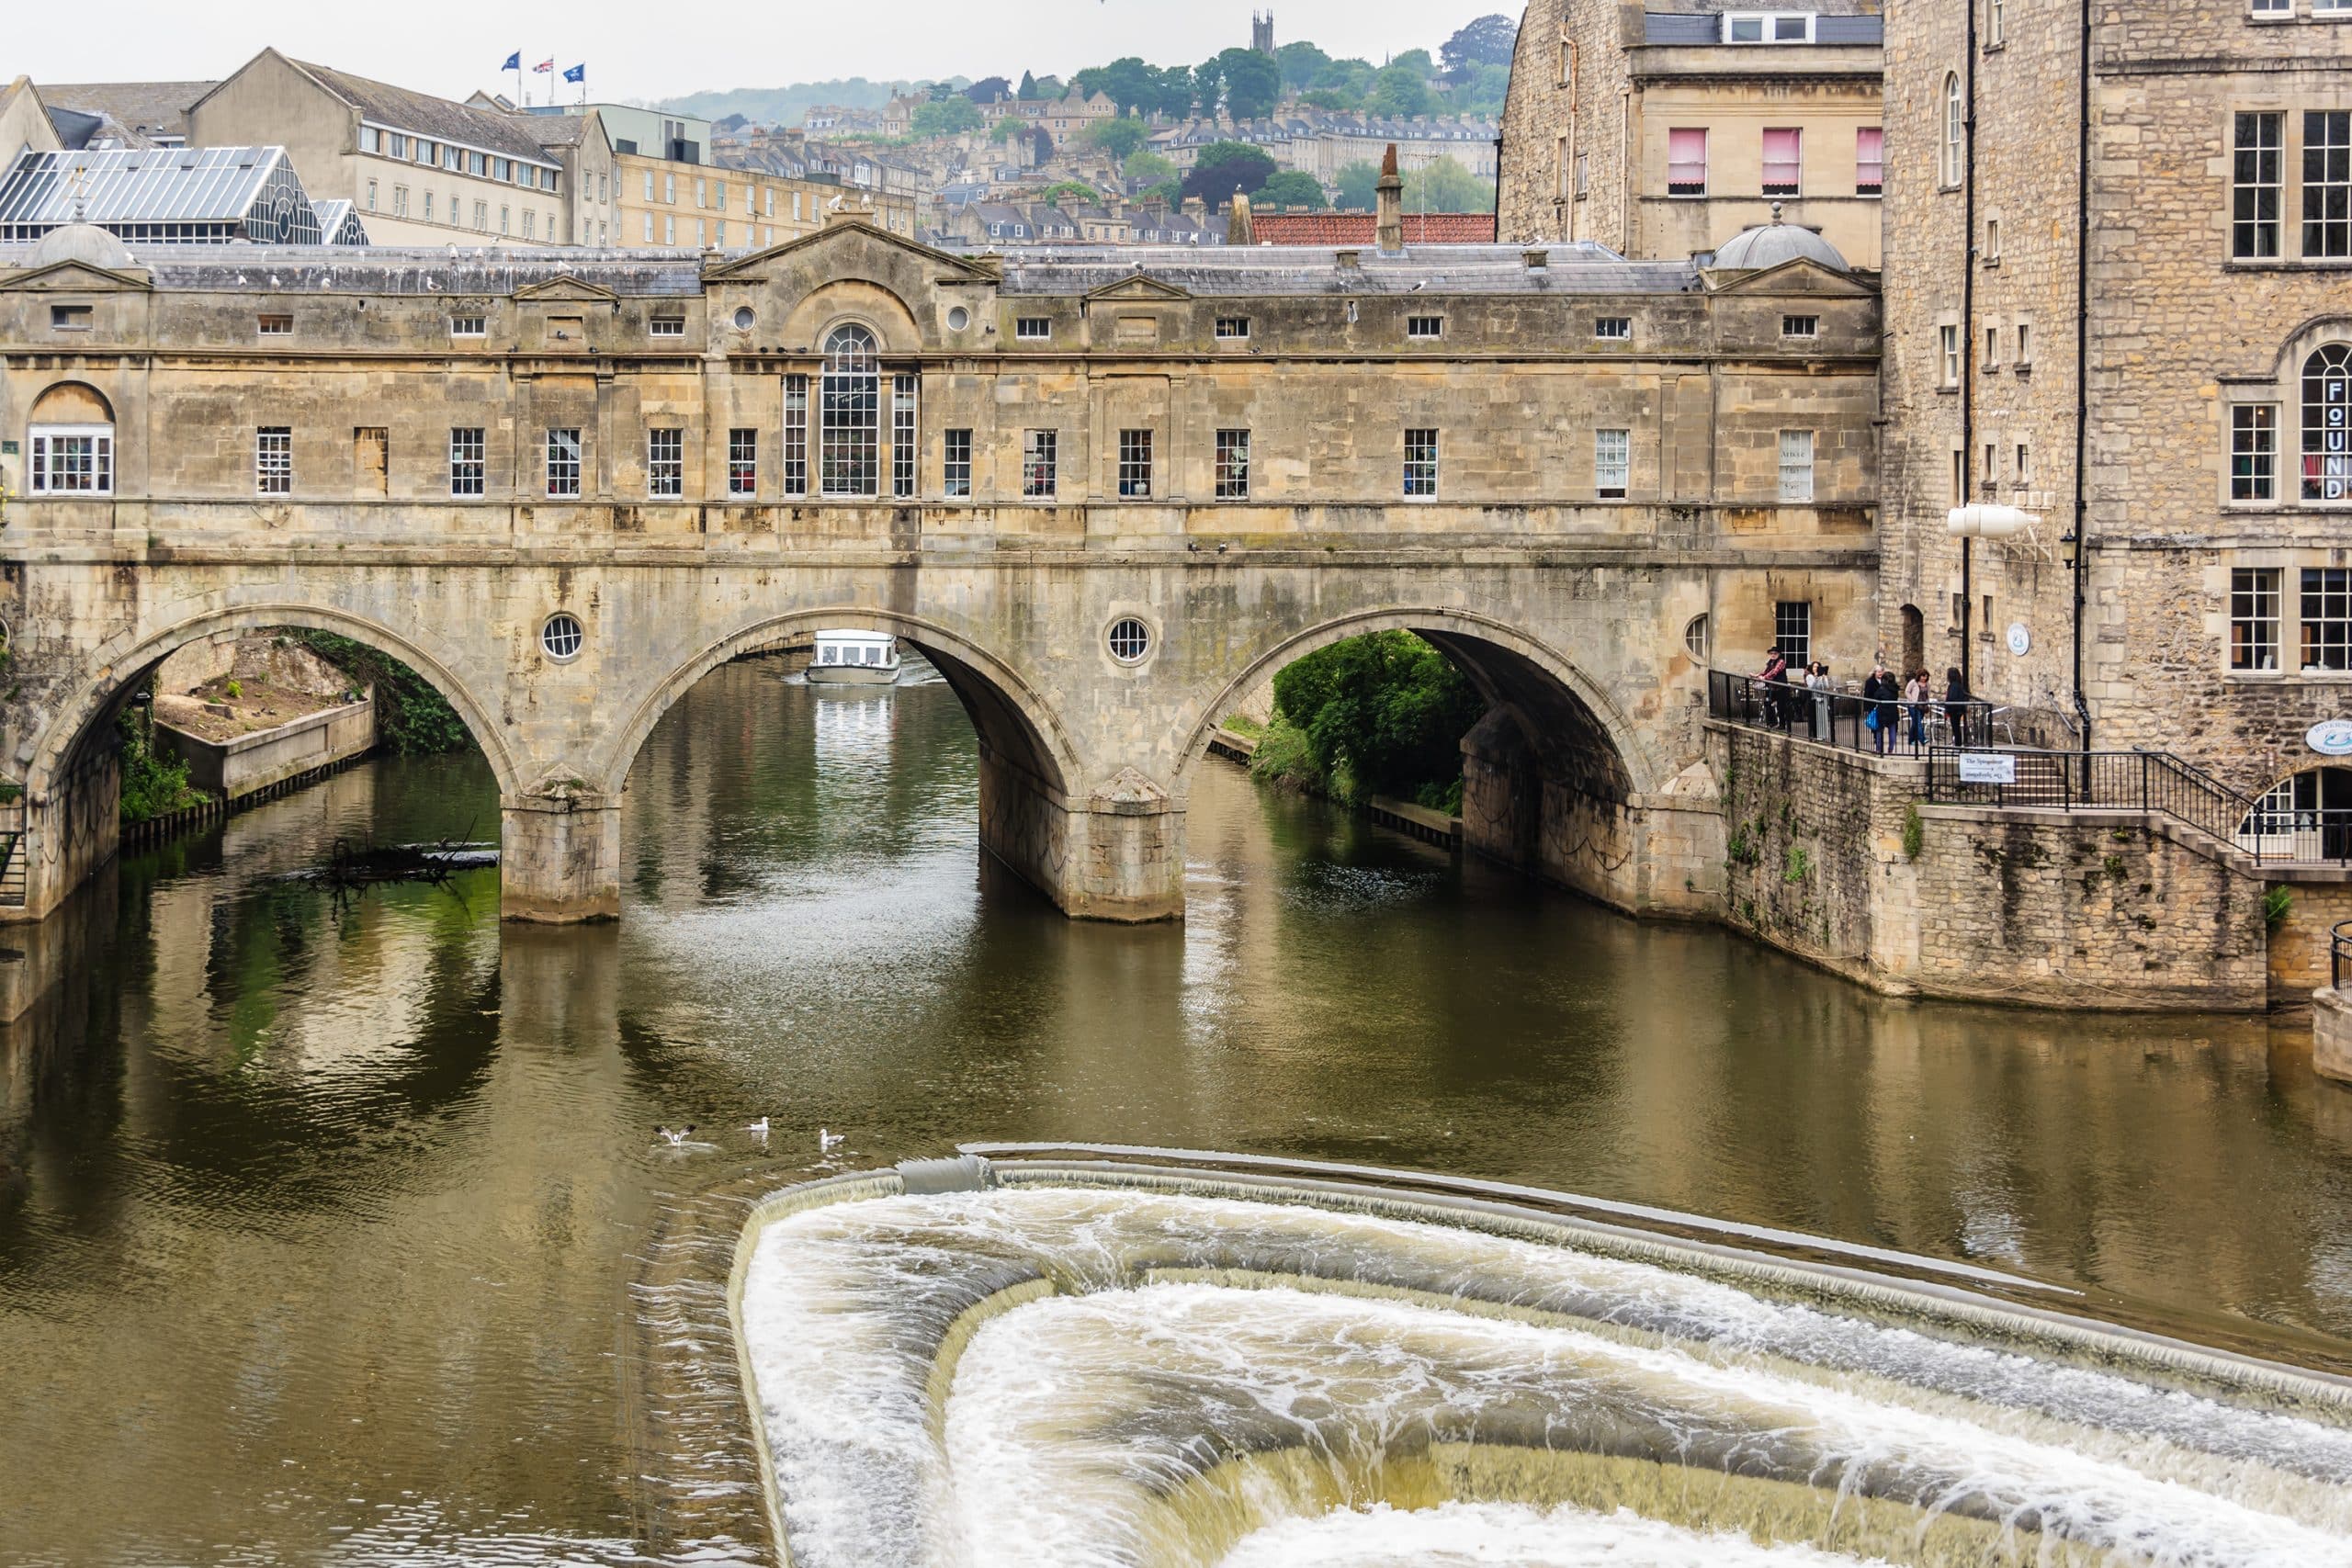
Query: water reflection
(319, 1226)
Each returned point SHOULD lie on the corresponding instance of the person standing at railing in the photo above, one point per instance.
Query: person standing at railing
(1816, 680)
(1915, 704)
(1774, 677)
(1879, 714)
(1956, 705)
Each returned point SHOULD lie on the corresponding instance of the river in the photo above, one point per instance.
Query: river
(324, 1228)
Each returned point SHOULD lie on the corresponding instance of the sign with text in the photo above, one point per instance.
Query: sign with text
(2330, 737)
(1988, 767)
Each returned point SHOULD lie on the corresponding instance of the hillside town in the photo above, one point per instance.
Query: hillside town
(1120, 154)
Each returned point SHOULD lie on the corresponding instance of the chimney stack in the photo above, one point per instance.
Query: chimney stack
(1239, 230)
(1391, 228)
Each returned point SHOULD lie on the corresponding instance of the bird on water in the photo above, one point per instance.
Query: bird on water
(675, 1137)
(827, 1142)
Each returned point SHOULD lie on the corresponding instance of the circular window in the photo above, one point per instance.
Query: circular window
(1694, 638)
(562, 636)
(744, 317)
(1130, 639)
(959, 319)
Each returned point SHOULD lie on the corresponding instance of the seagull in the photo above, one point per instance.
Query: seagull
(758, 1129)
(675, 1137)
(827, 1141)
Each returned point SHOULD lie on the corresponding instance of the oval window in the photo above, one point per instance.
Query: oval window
(959, 319)
(1694, 638)
(1130, 639)
(562, 637)
(744, 317)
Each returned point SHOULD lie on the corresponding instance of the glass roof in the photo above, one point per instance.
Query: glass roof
(154, 185)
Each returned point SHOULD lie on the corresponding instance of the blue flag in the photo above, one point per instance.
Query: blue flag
(577, 74)
(514, 62)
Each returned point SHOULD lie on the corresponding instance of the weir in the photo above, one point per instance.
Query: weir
(1087, 1361)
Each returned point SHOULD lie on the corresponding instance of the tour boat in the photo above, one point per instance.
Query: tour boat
(853, 659)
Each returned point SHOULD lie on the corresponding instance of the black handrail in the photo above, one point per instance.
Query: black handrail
(2339, 949)
(2154, 781)
(1844, 718)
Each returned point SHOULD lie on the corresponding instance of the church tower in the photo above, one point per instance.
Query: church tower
(1261, 32)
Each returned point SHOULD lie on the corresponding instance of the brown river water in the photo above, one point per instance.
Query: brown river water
(324, 1231)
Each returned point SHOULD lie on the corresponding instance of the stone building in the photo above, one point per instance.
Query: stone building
(417, 169)
(2183, 454)
(1106, 489)
(1664, 131)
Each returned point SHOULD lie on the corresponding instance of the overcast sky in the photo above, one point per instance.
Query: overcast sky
(634, 50)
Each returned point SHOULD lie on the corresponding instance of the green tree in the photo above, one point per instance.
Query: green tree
(1292, 188)
(945, 117)
(1445, 186)
(1385, 712)
(1151, 166)
(1224, 167)
(1336, 99)
(1005, 128)
(1172, 93)
(1398, 92)
(1208, 84)
(1417, 60)
(1130, 84)
(987, 89)
(1084, 195)
(1357, 186)
(1254, 83)
(412, 715)
(1117, 138)
(1485, 41)
(1301, 64)
(1352, 77)
(1482, 90)
(1028, 89)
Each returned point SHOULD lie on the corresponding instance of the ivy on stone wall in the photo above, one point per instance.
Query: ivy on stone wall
(413, 717)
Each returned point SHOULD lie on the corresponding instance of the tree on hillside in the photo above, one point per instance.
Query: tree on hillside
(1253, 84)
(1357, 186)
(1116, 138)
(1028, 87)
(1481, 91)
(1398, 92)
(1418, 61)
(1208, 84)
(1301, 64)
(1051, 87)
(1292, 188)
(1149, 167)
(1445, 186)
(1486, 41)
(1333, 98)
(945, 118)
(732, 122)
(1129, 82)
(1005, 128)
(987, 89)
(1224, 167)
(1084, 195)
(1172, 93)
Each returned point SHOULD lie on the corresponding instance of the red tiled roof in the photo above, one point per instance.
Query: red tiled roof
(1363, 228)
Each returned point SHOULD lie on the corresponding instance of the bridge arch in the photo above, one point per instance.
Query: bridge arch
(120, 662)
(1510, 667)
(1014, 721)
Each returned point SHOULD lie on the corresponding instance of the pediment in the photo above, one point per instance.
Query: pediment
(76, 277)
(1800, 275)
(567, 290)
(847, 236)
(1141, 286)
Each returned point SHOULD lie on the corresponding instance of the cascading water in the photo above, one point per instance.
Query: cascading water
(1130, 1370)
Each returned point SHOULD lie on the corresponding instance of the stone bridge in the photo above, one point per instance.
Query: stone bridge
(998, 460)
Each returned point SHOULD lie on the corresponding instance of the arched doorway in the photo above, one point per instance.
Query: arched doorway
(1915, 640)
(2305, 817)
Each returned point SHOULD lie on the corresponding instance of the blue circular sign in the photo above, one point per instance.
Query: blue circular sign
(2330, 737)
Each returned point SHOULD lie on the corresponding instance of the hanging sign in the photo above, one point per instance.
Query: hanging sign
(1988, 767)
(2330, 737)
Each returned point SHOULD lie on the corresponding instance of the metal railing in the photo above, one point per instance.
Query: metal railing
(1844, 718)
(2153, 781)
(2339, 949)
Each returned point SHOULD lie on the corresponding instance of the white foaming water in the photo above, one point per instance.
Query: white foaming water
(1073, 1420)
(1457, 1535)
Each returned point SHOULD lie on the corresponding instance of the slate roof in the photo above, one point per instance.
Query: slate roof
(421, 114)
(145, 109)
(1363, 228)
(1580, 267)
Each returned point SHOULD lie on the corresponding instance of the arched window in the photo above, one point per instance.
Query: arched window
(850, 409)
(1955, 128)
(2327, 423)
(70, 440)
